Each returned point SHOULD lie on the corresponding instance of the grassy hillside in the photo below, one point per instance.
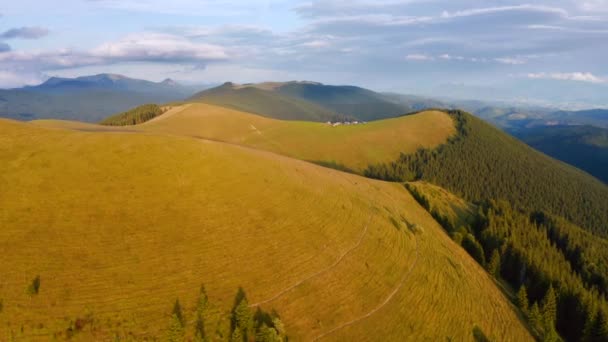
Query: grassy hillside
(134, 116)
(353, 146)
(119, 225)
(359, 103)
(263, 102)
(585, 147)
(482, 163)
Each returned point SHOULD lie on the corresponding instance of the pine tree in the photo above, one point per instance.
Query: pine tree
(535, 317)
(522, 299)
(236, 336)
(597, 328)
(550, 307)
(243, 317)
(176, 330)
(494, 265)
(177, 312)
(199, 329)
(280, 327)
(266, 334)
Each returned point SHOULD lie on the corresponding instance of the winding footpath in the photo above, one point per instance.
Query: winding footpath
(318, 273)
(380, 306)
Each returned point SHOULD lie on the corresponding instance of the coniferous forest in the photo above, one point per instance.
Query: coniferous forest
(480, 162)
(540, 225)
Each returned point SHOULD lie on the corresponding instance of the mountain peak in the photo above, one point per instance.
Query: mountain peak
(169, 82)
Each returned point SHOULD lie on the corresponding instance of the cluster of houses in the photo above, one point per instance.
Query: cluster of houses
(339, 123)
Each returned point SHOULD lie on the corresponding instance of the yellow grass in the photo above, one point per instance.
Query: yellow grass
(119, 225)
(354, 146)
(456, 209)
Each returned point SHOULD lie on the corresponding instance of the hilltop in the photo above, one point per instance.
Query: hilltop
(261, 101)
(304, 100)
(352, 146)
(114, 226)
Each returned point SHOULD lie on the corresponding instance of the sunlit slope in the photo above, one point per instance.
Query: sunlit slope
(119, 225)
(353, 146)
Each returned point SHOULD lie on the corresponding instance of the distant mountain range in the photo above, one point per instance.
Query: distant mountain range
(585, 147)
(87, 98)
(304, 100)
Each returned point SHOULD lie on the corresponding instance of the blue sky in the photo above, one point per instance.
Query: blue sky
(545, 52)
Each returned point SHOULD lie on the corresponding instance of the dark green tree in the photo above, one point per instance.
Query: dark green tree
(34, 287)
(176, 330)
(550, 307)
(535, 317)
(522, 299)
(177, 312)
(236, 336)
(474, 249)
(494, 264)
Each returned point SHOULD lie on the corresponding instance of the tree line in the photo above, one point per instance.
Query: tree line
(134, 116)
(480, 162)
(554, 264)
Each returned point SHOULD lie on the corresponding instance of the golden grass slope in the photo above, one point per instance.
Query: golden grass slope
(354, 146)
(119, 225)
(454, 208)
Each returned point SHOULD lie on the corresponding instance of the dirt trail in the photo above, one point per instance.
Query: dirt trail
(380, 306)
(318, 273)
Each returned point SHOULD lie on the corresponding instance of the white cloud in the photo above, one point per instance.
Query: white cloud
(593, 5)
(145, 47)
(511, 60)
(316, 44)
(158, 47)
(418, 57)
(568, 76)
(490, 10)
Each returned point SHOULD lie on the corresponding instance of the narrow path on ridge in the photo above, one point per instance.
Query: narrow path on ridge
(373, 311)
(318, 273)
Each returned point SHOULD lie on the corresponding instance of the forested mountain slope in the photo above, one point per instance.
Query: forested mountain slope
(481, 162)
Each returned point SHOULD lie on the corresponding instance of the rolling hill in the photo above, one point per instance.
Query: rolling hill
(585, 147)
(360, 103)
(264, 102)
(105, 227)
(351, 146)
(87, 98)
(309, 101)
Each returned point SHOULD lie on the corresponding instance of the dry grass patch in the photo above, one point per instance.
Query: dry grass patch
(120, 225)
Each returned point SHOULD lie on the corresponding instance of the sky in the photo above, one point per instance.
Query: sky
(538, 52)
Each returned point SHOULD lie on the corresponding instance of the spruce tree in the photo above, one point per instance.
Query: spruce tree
(199, 329)
(494, 265)
(243, 318)
(176, 330)
(550, 307)
(522, 299)
(177, 312)
(535, 317)
(236, 336)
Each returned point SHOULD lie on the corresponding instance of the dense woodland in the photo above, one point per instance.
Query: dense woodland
(541, 224)
(134, 116)
(559, 269)
(481, 163)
